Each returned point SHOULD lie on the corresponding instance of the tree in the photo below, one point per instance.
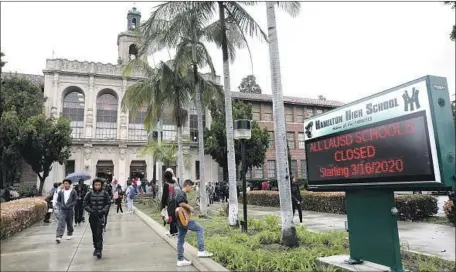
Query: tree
(249, 85)
(215, 137)
(19, 100)
(44, 141)
(166, 152)
(289, 237)
(453, 6)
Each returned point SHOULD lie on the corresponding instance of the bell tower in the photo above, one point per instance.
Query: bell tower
(127, 41)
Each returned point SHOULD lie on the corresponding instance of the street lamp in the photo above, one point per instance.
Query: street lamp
(243, 132)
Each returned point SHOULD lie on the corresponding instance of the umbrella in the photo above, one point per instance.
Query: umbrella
(76, 176)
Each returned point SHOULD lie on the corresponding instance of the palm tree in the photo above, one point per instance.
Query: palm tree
(166, 152)
(289, 237)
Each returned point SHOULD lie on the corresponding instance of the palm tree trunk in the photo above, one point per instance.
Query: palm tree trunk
(231, 160)
(289, 237)
(199, 112)
(180, 157)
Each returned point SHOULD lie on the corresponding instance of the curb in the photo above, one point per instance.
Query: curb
(190, 252)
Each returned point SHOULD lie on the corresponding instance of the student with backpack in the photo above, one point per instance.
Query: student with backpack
(168, 201)
(118, 195)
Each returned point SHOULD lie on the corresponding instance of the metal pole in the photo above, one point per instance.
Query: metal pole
(244, 186)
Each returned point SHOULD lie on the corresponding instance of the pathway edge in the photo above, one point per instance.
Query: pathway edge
(191, 253)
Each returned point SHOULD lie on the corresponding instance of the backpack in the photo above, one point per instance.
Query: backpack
(171, 207)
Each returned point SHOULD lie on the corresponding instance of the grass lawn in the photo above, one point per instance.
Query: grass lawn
(260, 249)
(441, 220)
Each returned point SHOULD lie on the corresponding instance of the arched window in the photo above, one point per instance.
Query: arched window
(73, 109)
(106, 116)
(133, 51)
(133, 23)
(136, 130)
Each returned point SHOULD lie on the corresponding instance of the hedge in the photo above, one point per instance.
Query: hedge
(256, 183)
(450, 211)
(20, 214)
(411, 207)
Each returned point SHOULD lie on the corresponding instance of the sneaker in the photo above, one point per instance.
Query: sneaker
(69, 237)
(99, 254)
(58, 239)
(184, 263)
(94, 253)
(204, 254)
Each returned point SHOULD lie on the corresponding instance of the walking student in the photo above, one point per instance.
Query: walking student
(296, 198)
(97, 203)
(168, 200)
(49, 198)
(79, 209)
(118, 195)
(66, 200)
(131, 195)
(181, 201)
(108, 188)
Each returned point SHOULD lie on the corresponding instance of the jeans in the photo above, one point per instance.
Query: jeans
(96, 225)
(65, 218)
(297, 206)
(129, 204)
(193, 226)
(119, 206)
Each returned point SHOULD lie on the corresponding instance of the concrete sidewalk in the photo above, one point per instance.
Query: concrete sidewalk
(434, 239)
(129, 245)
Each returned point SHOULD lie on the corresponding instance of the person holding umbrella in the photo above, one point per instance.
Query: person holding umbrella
(81, 190)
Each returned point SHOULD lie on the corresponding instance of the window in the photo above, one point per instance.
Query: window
(248, 174)
(69, 167)
(299, 115)
(293, 166)
(197, 170)
(271, 169)
(309, 113)
(256, 112)
(259, 172)
(106, 117)
(271, 139)
(303, 169)
(319, 111)
(288, 114)
(267, 112)
(73, 109)
(136, 130)
(291, 140)
(169, 130)
(301, 142)
(194, 123)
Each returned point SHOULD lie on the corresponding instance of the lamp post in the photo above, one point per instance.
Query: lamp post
(242, 131)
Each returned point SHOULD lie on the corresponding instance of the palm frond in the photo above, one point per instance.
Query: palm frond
(245, 22)
(291, 7)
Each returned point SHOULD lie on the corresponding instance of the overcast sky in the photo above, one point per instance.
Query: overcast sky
(344, 51)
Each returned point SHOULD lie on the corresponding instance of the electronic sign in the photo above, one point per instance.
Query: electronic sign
(386, 139)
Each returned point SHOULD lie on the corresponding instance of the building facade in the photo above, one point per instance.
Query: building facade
(107, 140)
(296, 110)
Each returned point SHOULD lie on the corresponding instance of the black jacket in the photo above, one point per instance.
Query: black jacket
(295, 193)
(97, 201)
(69, 205)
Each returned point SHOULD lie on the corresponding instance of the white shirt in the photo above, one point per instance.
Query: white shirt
(66, 195)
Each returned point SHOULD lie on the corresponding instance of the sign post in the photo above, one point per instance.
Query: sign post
(402, 139)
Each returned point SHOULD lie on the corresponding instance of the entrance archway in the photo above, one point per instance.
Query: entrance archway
(105, 169)
(138, 169)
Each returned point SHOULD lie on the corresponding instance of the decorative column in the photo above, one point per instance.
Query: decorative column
(122, 178)
(88, 160)
(89, 106)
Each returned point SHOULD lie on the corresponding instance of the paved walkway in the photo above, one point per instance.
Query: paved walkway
(434, 239)
(35, 249)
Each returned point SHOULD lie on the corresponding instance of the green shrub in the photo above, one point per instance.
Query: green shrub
(450, 211)
(18, 215)
(411, 207)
